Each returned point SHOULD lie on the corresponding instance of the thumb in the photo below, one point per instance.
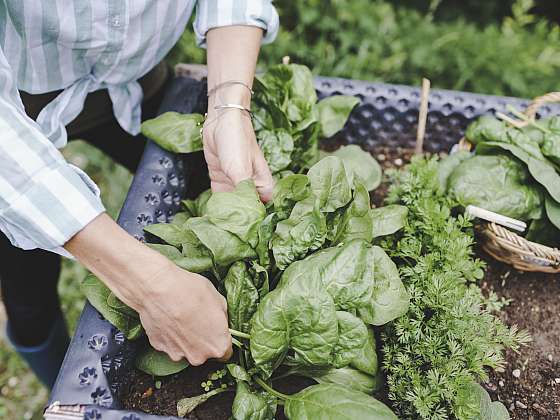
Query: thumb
(262, 177)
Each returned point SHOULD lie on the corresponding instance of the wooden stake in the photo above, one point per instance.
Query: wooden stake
(422, 116)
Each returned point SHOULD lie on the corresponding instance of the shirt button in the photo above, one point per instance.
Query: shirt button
(116, 21)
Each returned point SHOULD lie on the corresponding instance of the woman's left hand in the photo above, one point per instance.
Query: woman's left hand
(232, 153)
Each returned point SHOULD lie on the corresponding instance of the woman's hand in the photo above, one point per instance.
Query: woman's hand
(230, 147)
(182, 313)
(186, 317)
(232, 153)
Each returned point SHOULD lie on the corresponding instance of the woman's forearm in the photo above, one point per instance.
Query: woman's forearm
(232, 55)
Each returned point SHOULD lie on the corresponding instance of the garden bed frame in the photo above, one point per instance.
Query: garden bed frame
(88, 384)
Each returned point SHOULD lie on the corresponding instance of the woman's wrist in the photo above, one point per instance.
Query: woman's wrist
(229, 94)
(124, 264)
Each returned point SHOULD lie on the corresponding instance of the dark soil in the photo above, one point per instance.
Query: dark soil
(534, 307)
(530, 384)
(139, 392)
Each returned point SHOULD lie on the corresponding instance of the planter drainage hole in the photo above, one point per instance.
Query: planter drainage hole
(98, 342)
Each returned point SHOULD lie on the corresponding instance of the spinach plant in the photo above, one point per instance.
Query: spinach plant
(289, 122)
(304, 286)
(515, 172)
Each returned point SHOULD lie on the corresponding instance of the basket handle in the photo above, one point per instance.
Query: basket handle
(539, 101)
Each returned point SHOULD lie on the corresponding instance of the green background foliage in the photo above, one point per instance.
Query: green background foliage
(487, 47)
(473, 45)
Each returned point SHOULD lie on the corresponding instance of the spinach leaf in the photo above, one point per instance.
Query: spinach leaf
(388, 220)
(238, 373)
(239, 212)
(277, 147)
(390, 298)
(543, 232)
(170, 233)
(543, 172)
(158, 363)
(296, 236)
(352, 336)
(335, 402)
(497, 183)
(333, 113)
(486, 128)
(346, 377)
(488, 410)
(114, 302)
(195, 257)
(265, 233)
(242, 296)
(98, 294)
(329, 183)
(356, 222)
(360, 165)
(302, 86)
(226, 248)
(288, 191)
(552, 210)
(345, 272)
(197, 207)
(249, 405)
(448, 164)
(300, 316)
(180, 218)
(551, 147)
(365, 359)
(175, 132)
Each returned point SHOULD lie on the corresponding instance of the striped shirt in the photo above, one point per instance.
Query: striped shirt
(80, 46)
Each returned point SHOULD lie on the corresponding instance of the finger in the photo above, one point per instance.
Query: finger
(228, 351)
(263, 178)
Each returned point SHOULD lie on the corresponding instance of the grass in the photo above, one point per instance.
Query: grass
(21, 395)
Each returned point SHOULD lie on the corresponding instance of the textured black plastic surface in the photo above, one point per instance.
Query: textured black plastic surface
(99, 354)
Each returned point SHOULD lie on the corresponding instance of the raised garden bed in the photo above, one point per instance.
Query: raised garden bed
(97, 373)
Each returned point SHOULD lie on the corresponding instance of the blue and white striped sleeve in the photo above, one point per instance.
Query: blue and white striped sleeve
(44, 201)
(217, 13)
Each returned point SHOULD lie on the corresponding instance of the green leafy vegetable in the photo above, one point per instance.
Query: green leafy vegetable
(361, 165)
(176, 132)
(346, 377)
(390, 298)
(300, 316)
(333, 113)
(249, 405)
(98, 294)
(288, 191)
(335, 402)
(496, 183)
(330, 184)
(238, 212)
(352, 337)
(242, 296)
(356, 222)
(277, 147)
(158, 363)
(388, 220)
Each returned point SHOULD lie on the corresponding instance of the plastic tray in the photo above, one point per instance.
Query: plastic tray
(99, 354)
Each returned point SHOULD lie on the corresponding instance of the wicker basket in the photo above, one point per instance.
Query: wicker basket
(505, 245)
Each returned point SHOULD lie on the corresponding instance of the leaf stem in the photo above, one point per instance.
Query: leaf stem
(271, 390)
(239, 334)
(216, 274)
(237, 343)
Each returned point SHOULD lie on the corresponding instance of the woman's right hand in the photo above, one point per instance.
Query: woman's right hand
(186, 317)
(183, 314)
